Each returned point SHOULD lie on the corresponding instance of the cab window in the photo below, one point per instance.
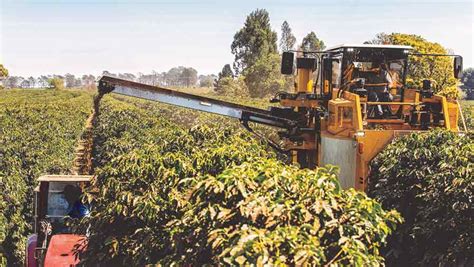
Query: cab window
(336, 73)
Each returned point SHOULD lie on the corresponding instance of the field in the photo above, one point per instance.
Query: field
(38, 135)
(173, 186)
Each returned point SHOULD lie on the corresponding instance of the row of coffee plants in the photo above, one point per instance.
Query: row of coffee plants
(429, 178)
(468, 112)
(38, 134)
(208, 192)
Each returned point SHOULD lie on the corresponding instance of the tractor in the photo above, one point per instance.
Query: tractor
(52, 243)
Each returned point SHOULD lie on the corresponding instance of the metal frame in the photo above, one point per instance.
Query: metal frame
(244, 113)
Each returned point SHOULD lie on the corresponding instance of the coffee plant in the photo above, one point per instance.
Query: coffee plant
(187, 188)
(266, 213)
(468, 112)
(141, 161)
(38, 134)
(429, 178)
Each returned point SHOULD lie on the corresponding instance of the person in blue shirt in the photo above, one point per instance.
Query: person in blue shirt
(76, 208)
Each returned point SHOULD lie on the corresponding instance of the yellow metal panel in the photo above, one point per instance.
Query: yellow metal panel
(453, 109)
(299, 103)
(303, 80)
(357, 114)
(309, 86)
(369, 145)
(444, 104)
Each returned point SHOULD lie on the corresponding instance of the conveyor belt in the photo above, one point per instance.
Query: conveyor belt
(244, 113)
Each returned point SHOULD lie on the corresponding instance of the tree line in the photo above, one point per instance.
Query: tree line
(175, 77)
(255, 70)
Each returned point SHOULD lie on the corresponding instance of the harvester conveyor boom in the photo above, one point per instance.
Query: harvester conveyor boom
(243, 113)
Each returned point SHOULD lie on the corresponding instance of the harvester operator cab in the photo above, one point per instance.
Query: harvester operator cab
(357, 91)
(55, 198)
(376, 74)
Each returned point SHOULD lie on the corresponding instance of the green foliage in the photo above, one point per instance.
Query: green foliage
(437, 69)
(312, 43)
(254, 41)
(189, 76)
(428, 178)
(468, 83)
(3, 74)
(226, 72)
(264, 77)
(167, 193)
(56, 83)
(141, 161)
(225, 81)
(38, 134)
(232, 87)
(468, 112)
(266, 213)
(3, 71)
(287, 40)
(206, 81)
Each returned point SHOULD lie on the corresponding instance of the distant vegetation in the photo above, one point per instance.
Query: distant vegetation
(256, 66)
(257, 60)
(468, 83)
(3, 75)
(175, 77)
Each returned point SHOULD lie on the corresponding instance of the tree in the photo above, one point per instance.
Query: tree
(43, 81)
(127, 76)
(56, 83)
(173, 76)
(107, 73)
(3, 71)
(226, 72)
(32, 82)
(3, 75)
(254, 41)
(25, 84)
(88, 81)
(13, 81)
(188, 77)
(264, 77)
(468, 83)
(380, 38)
(78, 82)
(437, 69)
(234, 87)
(312, 43)
(70, 80)
(288, 40)
(207, 80)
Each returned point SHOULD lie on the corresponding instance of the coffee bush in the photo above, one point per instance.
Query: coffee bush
(211, 193)
(429, 178)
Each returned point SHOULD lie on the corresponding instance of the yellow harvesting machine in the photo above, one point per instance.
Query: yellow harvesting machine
(347, 104)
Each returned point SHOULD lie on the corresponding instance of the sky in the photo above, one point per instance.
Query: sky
(87, 37)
